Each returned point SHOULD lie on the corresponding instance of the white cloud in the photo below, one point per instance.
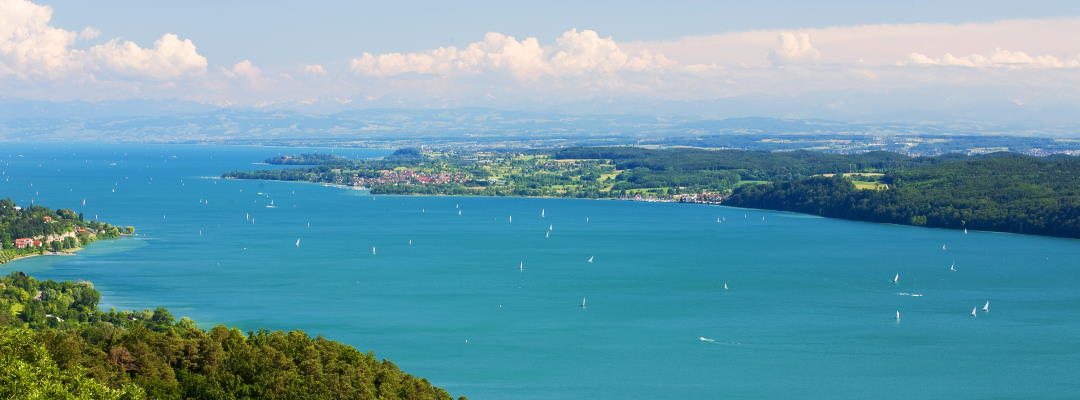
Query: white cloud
(998, 59)
(315, 70)
(31, 48)
(89, 33)
(795, 47)
(574, 53)
(170, 58)
(246, 71)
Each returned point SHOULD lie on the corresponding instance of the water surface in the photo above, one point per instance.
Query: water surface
(810, 310)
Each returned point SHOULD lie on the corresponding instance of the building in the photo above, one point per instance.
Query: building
(23, 243)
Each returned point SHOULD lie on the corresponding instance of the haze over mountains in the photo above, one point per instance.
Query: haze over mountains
(184, 121)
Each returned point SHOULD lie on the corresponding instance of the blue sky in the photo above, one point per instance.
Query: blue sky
(282, 32)
(842, 59)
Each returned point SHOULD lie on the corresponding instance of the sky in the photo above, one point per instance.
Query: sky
(967, 58)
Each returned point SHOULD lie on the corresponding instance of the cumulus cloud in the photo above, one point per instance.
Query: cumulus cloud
(89, 33)
(574, 53)
(246, 71)
(31, 48)
(169, 58)
(315, 70)
(998, 59)
(795, 47)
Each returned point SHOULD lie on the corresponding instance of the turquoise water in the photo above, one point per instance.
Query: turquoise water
(810, 310)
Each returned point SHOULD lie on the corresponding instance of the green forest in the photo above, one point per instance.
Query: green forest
(56, 344)
(1003, 192)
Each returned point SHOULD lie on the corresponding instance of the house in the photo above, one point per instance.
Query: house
(48, 219)
(23, 243)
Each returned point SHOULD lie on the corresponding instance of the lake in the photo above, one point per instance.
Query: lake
(491, 309)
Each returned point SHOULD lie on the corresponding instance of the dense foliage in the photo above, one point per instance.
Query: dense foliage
(750, 165)
(58, 230)
(1002, 192)
(306, 159)
(55, 343)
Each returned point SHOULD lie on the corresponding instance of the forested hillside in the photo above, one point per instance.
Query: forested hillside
(56, 344)
(1003, 192)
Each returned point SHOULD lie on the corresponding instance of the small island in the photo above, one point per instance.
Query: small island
(36, 230)
(1005, 192)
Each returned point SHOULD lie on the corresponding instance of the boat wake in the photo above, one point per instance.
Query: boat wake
(909, 294)
(708, 340)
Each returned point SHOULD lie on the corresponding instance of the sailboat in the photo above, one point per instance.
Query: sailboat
(965, 231)
(986, 307)
(410, 242)
(547, 234)
(511, 218)
(84, 202)
(372, 250)
(271, 205)
(458, 212)
(590, 258)
(582, 302)
(521, 266)
(896, 278)
(952, 267)
(297, 242)
(541, 213)
(943, 247)
(973, 314)
(718, 220)
(725, 286)
(551, 228)
(898, 315)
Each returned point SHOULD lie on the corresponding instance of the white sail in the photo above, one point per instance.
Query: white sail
(952, 267)
(410, 242)
(590, 258)
(541, 213)
(458, 212)
(297, 242)
(965, 231)
(986, 307)
(973, 309)
(897, 315)
(896, 278)
(551, 227)
(511, 218)
(582, 302)
(372, 250)
(725, 286)
(521, 266)
(943, 247)
(547, 234)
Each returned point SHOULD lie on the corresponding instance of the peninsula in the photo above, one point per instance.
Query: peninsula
(1006, 192)
(36, 230)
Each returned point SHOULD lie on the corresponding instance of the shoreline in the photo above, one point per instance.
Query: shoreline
(356, 188)
(71, 252)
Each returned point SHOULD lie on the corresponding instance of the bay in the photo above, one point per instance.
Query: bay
(810, 309)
